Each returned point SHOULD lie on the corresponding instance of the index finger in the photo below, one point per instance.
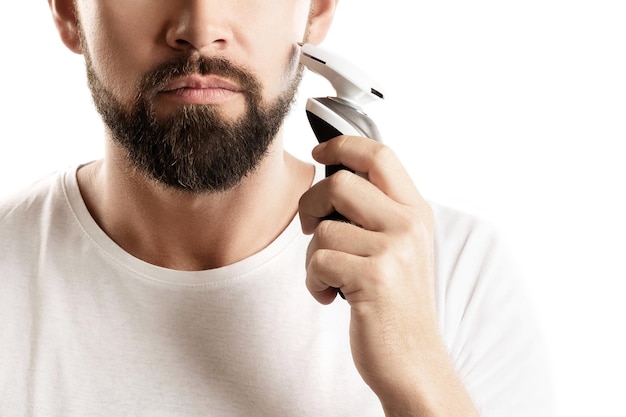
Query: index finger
(378, 161)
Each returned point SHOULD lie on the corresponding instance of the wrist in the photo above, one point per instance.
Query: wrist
(432, 389)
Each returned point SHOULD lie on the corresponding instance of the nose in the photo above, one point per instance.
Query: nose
(200, 25)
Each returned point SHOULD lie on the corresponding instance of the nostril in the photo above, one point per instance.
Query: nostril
(185, 44)
(197, 35)
(182, 42)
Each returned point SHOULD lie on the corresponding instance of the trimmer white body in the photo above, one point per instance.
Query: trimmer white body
(341, 115)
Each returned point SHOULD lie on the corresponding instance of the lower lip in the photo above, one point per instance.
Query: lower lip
(200, 95)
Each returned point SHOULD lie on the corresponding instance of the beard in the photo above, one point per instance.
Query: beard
(194, 149)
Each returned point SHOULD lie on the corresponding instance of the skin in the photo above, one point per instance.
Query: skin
(384, 266)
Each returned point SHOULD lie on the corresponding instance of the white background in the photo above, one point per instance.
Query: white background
(514, 111)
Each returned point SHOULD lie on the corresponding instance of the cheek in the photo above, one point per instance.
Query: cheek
(291, 67)
(120, 44)
(278, 75)
(278, 56)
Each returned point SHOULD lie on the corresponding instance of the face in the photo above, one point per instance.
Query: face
(193, 91)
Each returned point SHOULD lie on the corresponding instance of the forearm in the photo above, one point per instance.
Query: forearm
(431, 389)
(444, 398)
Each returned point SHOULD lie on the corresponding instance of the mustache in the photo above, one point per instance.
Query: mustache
(162, 74)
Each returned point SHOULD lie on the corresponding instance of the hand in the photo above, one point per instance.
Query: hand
(383, 263)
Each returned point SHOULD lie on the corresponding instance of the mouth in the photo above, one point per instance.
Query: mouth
(201, 82)
(200, 89)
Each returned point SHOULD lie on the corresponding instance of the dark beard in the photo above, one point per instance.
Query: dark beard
(194, 149)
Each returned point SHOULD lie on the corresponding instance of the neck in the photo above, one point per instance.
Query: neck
(186, 231)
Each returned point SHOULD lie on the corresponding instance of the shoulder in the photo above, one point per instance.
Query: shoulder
(477, 276)
(25, 220)
(472, 256)
(487, 317)
(25, 215)
(451, 220)
(457, 232)
(30, 200)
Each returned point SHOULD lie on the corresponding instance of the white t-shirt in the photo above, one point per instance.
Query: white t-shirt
(88, 330)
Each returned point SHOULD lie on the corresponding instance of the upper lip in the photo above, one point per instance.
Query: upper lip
(201, 81)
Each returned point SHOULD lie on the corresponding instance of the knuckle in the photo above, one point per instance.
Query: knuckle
(386, 243)
(323, 234)
(410, 222)
(339, 180)
(303, 200)
(377, 269)
(382, 153)
(343, 140)
(317, 260)
(416, 221)
(412, 236)
(324, 230)
(380, 274)
(311, 249)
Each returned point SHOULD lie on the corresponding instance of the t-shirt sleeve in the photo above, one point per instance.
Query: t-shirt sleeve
(488, 322)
